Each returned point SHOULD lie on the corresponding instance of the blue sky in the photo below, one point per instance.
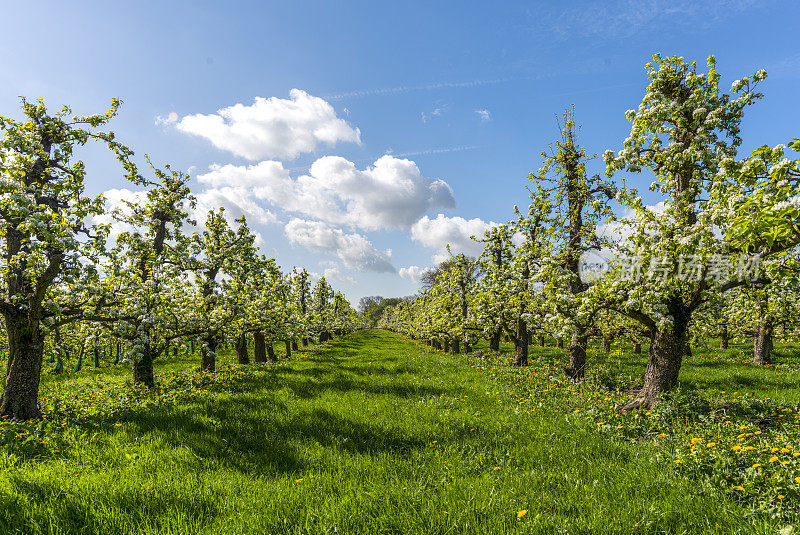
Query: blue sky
(461, 96)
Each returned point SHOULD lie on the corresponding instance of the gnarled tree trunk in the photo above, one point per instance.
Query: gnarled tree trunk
(25, 353)
(663, 366)
(259, 347)
(208, 358)
(242, 355)
(577, 356)
(762, 346)
(521, 344)
(494, 342)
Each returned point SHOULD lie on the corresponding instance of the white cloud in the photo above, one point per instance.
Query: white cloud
(354, 250)
(115, 200)
(484, 115)
(391, 194)
(272, 127)
(455, 231)
(412, 273)
(237, 202)
(333, 274)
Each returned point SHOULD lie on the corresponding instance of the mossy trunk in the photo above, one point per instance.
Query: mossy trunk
(762, 346)
(294, 345)
(724, 337)
(242, 354)
(455, 348)
(577, 356)
(271, 353)
(637, 348)
(494, 342)
(521, 344)
(663, 367)
(20, 399)
(542, 341)
(305, 342)
(259, 347)
(288, 345)
(606, 344)
(142, 367)
(208, 357)
(446, 346)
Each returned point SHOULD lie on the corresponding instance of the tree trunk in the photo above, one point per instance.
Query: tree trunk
(288, 348)
(305, 342)
(242, 355)
(577, 356)
(637, 348)
(294, 345)
(521, 343)
(271, 352)
(20, 399)
(208, 357)
(446, 345)
(560, 344)
(455, 348)
(542, 341)
(494, 342)
(259, 347)
(763, 344)
(663, 366)
(96, 357)
(687, 349)
(606, 344)
(143, 368)
(723, 337)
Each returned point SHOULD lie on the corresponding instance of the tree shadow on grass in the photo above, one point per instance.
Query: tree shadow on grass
(39, 507)
(253, 438)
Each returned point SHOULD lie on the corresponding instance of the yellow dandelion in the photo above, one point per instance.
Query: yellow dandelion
(697, 440)
(781, 496)
(784, 463)
(773, 459)
(711, 444)
(522, 513)
(756, 465)
(738, 487)
(298, 480)
(496, 468)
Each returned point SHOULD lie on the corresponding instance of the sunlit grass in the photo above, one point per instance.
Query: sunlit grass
(368, 434)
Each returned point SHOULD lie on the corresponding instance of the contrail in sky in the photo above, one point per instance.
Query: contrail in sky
(427, 87)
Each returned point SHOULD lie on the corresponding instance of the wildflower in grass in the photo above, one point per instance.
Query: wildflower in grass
(757, 465)
(711, 444)
(697, 440)
(773, 459)
(739, 488)
(298, 480)
(522, 513)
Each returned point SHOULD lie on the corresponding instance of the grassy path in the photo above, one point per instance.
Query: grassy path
(369, 434)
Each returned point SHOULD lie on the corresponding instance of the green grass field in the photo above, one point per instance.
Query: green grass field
(374, 433)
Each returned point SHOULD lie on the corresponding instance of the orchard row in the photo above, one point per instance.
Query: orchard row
(717, 257)
(73, 287)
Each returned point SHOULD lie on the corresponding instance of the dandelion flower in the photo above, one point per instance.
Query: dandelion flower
(697, 440)
(738, 487)
(773, 459)
(522, 513)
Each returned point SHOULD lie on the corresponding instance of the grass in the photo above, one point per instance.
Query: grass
(371, 433)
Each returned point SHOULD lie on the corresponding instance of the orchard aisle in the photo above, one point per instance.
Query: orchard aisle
(368, 434)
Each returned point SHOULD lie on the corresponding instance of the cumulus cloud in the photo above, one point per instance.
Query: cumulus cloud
(236, 201)
(390, 194)
(354, 250)
(117, 199)
(272, 127)
(334, 274)
(454, 231)
(413, 273)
